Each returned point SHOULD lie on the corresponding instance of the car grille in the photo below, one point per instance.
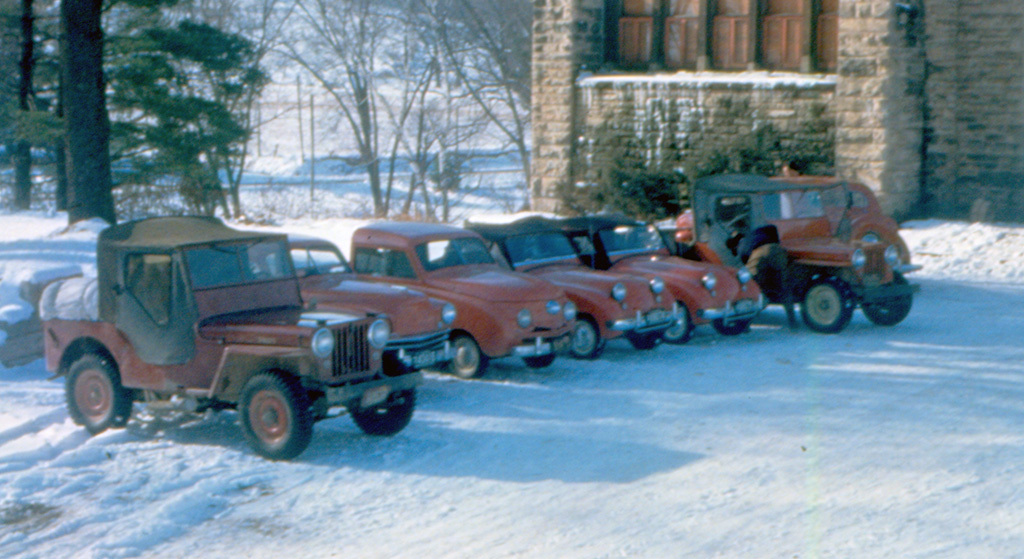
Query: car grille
(352, 353)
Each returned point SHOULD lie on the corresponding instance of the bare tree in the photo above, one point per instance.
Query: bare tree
(340, 47)
(87, 124)
(486, 45)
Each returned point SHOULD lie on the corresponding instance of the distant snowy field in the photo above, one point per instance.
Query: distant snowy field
(877, 442)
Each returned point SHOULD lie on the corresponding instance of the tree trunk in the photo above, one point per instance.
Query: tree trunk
(86, 121)
(23, 150)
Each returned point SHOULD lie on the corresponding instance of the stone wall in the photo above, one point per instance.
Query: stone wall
(668, 120)
(975, 154)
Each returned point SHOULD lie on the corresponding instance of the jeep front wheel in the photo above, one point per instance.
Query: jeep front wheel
(890, 311)
(96, 400)
(386, 419)
(827, 306)
(276, 416)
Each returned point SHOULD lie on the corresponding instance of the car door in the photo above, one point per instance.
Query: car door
(154, 309)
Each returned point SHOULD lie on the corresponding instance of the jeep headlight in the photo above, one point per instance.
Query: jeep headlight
(710, 281)
(743, 275)
(859, 259)
(524, 318)
(569, 312)
(619, 292)
(553, 307)
(322, 343)
(379, 333)
(892, 255)
(448, 313)
(657, 285)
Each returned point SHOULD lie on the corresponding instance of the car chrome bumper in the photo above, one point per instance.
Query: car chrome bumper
(542, 346)
(907, 268)
(657, 319)
(350, 393)
(420, 352)
(743, 309)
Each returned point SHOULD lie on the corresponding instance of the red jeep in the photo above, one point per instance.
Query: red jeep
(420, 324)
(500, 312)
(726, 297)
(188, 312)
(608, 304)
(782, 232)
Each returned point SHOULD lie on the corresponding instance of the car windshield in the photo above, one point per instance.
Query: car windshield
(237, 264)
(446, 253)
(538, 248)
(318, 261)
(631, 239)
(793, 204)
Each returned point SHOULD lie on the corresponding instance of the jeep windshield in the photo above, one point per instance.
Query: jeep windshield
(225, 265)
(631, 239)
(539, 248)
(793, 204)
(445, 253)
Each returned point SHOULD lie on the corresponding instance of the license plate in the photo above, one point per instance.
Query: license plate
(425, 358)
(374, 396)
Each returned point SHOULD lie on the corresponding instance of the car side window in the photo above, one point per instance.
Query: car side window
(859, 199)
(383, 262)
(147, 278)
(304, 265)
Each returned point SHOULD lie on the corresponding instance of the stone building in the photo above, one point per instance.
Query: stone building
(922, 100)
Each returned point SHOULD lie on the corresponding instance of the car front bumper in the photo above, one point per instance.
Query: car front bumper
(420, 352)
(656, 319)
(542, 346)
(742, 309)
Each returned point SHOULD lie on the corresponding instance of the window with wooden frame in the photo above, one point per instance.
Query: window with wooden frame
(795, 35)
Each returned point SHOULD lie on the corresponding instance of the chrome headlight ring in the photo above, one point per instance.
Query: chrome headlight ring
(743, 275)
(524, 318)
(322, 343)
(710, 281)
(569, 311)
(553, 307)
(859, 259)
(379, 333)
(657, 285)
(892, 255)
(619, 292)
(448, 313)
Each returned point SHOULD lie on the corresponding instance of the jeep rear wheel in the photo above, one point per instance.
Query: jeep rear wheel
(386, 419)
(827, 306)
(96, 400)
(682, 330)
(586, 339)
(467, 360)
(890, 311)
(276, 416)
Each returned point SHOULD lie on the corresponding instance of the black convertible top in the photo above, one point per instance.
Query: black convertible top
(591, 223)
(497, 232)
(170, 232)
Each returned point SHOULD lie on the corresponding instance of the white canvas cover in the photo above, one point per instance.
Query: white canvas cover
(70, 299)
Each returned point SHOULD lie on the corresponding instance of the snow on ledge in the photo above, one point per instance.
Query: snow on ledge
(756, 79)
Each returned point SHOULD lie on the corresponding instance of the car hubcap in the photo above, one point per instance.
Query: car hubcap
(824, 304)
(678, 329)
(268, 416)
(466, 358)
(584, 339)
(93, 394)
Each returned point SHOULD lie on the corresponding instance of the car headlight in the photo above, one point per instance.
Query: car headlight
(524, 318)
(379, 333)
(859, 259)
(448, 313)
(619, 292)
(743, 275)
(570, 310)
(710, 281)
(553, 307)
(322, 343)
(892, 255)
(657, 285)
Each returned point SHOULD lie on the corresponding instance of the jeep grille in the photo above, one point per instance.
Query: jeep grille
(351, 351)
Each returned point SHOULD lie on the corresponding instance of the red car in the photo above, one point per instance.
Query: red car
(419, 324)
(726, 297)
(500, 313)
(609, 304)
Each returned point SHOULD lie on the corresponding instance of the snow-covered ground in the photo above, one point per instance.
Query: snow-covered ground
(878, 442)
